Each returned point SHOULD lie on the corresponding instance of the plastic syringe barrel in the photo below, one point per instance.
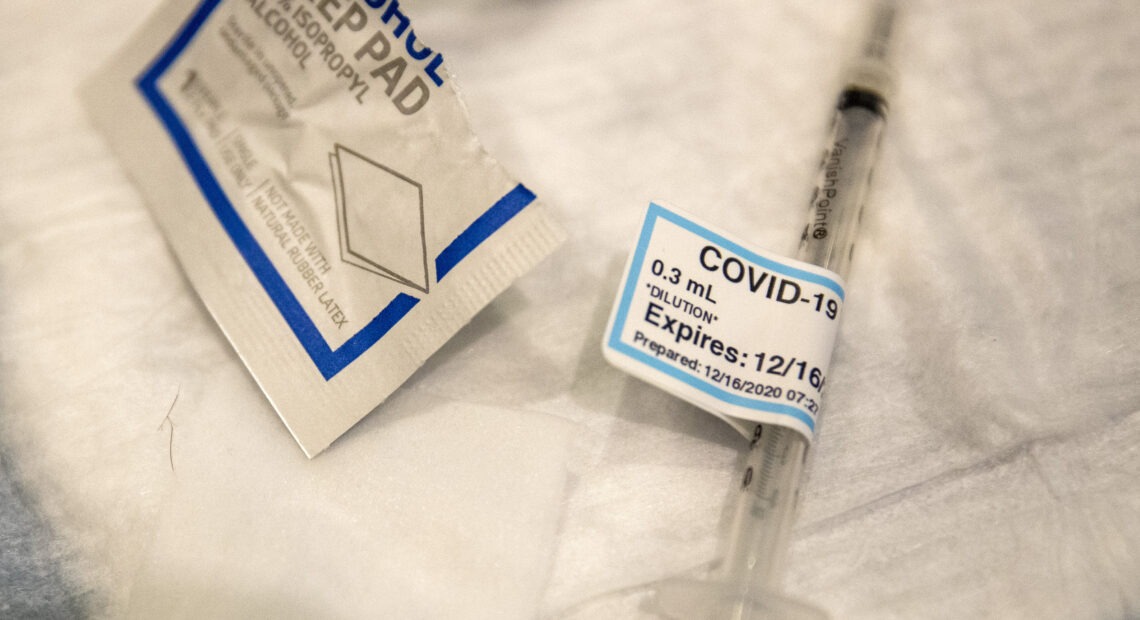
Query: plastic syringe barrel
(775, 462)
(769, 493)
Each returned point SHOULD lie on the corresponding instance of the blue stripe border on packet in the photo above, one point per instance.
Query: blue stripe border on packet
(328, 361)
(615, 343)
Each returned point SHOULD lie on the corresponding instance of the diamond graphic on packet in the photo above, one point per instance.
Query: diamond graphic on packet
(380, 217)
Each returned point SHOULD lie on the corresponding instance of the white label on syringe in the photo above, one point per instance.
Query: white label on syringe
(742, 333)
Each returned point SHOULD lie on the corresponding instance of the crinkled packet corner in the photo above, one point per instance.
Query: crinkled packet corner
(313, 169)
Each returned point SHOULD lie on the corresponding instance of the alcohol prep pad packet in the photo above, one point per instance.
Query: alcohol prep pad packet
(313, 169)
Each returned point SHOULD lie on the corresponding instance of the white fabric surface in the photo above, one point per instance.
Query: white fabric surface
(979, 452)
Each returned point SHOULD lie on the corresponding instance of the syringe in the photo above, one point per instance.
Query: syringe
(746, 583)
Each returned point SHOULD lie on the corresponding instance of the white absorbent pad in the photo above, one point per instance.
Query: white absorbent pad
(977, 454)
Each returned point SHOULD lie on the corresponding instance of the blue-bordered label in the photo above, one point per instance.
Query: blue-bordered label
(742, 333)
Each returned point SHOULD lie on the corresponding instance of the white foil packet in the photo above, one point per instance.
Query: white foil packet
(314, 171)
